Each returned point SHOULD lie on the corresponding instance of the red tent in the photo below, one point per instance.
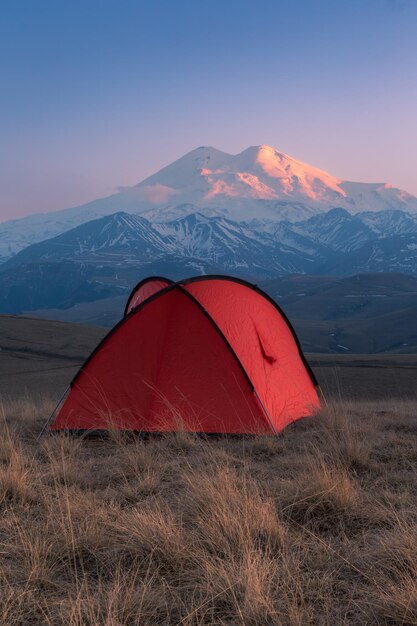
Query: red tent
(210, 354)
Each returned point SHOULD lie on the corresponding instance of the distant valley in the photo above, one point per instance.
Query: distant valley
(367, 313)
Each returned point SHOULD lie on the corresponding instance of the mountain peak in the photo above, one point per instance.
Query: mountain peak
(289, 177)
(263, 147)
(202, 152)
(254, 151)
(210, 179)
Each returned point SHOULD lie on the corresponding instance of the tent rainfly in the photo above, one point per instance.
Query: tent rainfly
(210, 354)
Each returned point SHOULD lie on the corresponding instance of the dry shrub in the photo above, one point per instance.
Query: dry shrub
(80, 524)
(61, 454)
(323, 495)
(343, 441)
(27, 414)
(255, 587)
(17, 480)
(21, 606)
(391, 560)
(122, 601)
(230, 512)
(153, 534)
(33, 550)
(140, 468)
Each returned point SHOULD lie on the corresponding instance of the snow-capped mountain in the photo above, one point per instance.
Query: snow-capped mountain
(124, 240)
(258, 182)
(386, 223)
(387, 254)
(260, 186)
(119, 235)
(327, 240)
(228, 243)
(337, 229)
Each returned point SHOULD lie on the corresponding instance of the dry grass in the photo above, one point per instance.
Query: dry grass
(316, 526)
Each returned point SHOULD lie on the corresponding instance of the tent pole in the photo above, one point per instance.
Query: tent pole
(50, 418)
(265, 411)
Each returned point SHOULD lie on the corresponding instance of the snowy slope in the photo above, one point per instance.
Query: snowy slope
(337, 229)
(392, 222)
(119, 234)
(248, 185)
(18, 234)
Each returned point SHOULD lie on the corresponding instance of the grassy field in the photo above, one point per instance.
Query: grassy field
(316, 526)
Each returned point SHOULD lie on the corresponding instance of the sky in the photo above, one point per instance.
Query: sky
(98, 94)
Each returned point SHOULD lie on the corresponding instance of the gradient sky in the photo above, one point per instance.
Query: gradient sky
(97, 94)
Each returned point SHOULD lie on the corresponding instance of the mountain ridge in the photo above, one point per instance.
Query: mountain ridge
(106, 256)
(223, 241)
